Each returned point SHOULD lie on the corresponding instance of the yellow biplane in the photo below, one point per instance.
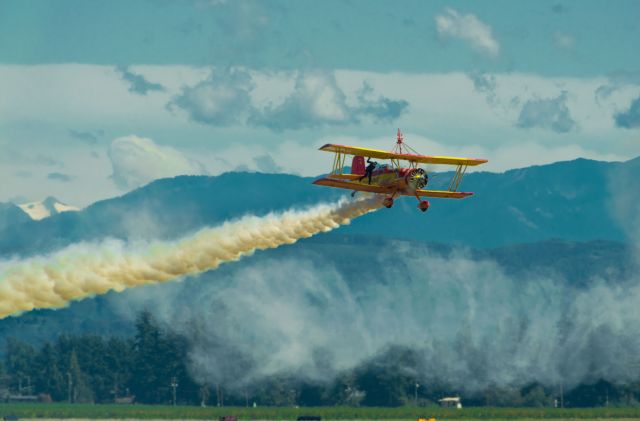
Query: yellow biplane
(392, 179)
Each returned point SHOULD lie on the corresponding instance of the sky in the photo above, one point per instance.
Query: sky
(100, 97)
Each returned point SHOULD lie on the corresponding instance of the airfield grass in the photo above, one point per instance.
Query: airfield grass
(87, 411)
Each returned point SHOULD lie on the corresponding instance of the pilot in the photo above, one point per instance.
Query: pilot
(368, 172)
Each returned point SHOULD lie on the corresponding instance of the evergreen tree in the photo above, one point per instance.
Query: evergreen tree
(49, 379)
(149, 383)
(119, 359)
(91, 351)
(175, 356)
(20, 364)
(80, 390)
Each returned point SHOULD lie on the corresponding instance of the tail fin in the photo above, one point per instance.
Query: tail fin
(357, 165)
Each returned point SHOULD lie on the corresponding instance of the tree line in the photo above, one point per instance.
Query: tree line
(152, 367)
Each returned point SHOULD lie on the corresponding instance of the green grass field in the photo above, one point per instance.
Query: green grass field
(327, 413)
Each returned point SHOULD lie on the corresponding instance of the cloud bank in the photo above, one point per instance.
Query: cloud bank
(137, 161)
(225, 98)
(266, 164)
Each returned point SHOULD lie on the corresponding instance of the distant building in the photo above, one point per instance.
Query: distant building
(124, 400)
(22, 398)
(451, 402)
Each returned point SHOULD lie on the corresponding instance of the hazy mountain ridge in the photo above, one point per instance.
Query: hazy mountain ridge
(11, 216)
(569, 200)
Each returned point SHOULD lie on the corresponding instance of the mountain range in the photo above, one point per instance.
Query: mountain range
(572, 200)
(12, 214)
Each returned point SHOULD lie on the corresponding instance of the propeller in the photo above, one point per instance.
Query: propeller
(418, 178)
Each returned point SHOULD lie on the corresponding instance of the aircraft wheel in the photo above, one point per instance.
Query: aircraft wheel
(423, 205)
(387, 202)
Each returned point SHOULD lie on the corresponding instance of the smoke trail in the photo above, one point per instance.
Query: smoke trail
(468, 323)
(85, 270)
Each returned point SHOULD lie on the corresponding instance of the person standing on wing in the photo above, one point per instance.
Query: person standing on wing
(368, 172)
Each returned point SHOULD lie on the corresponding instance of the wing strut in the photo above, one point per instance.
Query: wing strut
(338, 162)
(457, 177)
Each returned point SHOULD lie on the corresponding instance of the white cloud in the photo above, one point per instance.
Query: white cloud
(223, 99)
(564, 41)
(530, 153)
(138, 160)
(315, 100)
(621, 87)
(452, 24)
(266, 164)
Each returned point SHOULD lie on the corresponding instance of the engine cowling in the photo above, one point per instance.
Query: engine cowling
(423, 205)
(417, 179)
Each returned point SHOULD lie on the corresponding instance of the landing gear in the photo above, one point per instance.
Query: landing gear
(423, 205)
(387, 202)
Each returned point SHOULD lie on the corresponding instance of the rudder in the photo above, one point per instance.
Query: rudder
(357, 165)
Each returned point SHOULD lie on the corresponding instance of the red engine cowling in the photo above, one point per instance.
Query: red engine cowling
(423, 205)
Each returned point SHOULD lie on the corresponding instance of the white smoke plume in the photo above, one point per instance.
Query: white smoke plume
(471, 324)
(84, 270)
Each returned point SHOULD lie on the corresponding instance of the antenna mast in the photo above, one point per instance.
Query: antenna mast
(401, 147)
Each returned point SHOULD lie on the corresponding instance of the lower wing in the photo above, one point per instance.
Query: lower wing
(371, 188)
(374, 188)
(445, 194)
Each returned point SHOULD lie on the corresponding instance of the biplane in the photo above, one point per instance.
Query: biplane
(393, 179)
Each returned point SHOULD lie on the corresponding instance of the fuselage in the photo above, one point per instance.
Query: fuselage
(404, 180)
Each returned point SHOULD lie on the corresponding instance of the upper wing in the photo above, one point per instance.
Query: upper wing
(376, 153)
(444, 194)
(371, 188)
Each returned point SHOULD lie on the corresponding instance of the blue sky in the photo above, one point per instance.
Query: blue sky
(99, 97)
(359, 34)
